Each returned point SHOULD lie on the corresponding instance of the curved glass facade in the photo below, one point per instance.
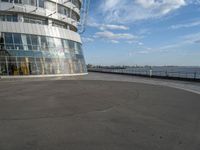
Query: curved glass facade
(39, 37)
(24, 54)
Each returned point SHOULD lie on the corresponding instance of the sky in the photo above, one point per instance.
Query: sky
(143, 32)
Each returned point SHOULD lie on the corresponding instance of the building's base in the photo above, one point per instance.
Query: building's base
(42, 76)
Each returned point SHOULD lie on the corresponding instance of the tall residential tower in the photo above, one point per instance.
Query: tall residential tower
(39, 37)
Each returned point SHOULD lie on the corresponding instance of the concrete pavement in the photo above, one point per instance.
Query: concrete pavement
(97, 115)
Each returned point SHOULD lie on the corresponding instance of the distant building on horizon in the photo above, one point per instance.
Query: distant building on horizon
(39, 37)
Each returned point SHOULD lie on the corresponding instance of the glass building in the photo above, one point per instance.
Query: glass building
(39, 37)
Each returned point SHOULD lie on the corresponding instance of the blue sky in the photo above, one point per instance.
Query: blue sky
(143, 32)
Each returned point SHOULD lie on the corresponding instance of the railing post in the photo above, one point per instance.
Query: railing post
(195, 75)
(150, 73)
(166, 73)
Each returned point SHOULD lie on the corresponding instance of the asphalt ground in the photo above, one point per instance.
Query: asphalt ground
(97, 115)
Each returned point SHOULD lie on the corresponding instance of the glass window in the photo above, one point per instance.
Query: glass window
(59, 47)
(50, 6)
(17, 38)
(59, 24)
(71, 45)
(10, 18)
(76, 48)
(15, 18)
(35, 20)
(80, 48)
(41, 3)
(26, 2)
(51, 43)
(58, 42)
(44, 44)
(34, 40)
(74, 16)
(76, 3)
(33, 2)
(5, 0)
(66, 45)
(8, 38)
(63, 10)
(2, 18)
(40, 62)
(17, 41)
(29, 43)
(9, 41)
(17, 1)
(24, 41)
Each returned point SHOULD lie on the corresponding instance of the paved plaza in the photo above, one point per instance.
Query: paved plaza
(92, 114)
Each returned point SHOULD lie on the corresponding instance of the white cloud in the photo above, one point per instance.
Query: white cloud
(123, 11)
(113, 37)
(187, 25)
(131, 41)
(87, 39)
(197, 41)
(143, 52)
(111, 3)
(191, 38)
(182, 41)
(113, 27)
(196, 2)
(107, 26)
(139, 52)
(114, 41)
(140, 43)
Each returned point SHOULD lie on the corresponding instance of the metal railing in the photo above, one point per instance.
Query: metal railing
(151, 73)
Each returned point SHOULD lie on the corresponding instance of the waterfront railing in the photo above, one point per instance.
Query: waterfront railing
(151, 73)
